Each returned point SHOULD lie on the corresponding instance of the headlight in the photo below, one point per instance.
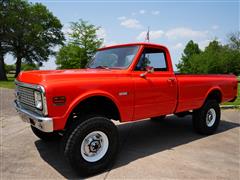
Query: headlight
(38, 99)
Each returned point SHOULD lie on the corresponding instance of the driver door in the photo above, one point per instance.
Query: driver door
(155, 93)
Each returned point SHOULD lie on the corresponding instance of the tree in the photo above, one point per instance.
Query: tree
(234, 41)
(34, 32)
(4, 29)
(69, 57)
(215, 59)
(3, 76)
(24, 67)
(208, 61)
(10, 68)
(190, 50)
(82, 46)
(29, 67)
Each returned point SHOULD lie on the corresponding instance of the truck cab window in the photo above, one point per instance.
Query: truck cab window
(154, 58)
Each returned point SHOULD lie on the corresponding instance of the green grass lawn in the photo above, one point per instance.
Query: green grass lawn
(10, 84)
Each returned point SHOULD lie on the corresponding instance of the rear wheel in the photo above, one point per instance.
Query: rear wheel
(46, 136)
(92, 145)
(207, 118)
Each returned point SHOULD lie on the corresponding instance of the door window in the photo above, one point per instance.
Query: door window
(155, 58)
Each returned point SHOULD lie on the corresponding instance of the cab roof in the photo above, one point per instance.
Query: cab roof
(134, 44)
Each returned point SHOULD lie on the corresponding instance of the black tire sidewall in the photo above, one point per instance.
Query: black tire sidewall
(73, 145)
(199, 118)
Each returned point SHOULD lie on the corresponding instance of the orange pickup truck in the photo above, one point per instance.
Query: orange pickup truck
(126, 82)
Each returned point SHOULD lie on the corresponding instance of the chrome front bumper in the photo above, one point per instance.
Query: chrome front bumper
(44, 124)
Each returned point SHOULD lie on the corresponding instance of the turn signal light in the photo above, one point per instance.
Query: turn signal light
(59, 100)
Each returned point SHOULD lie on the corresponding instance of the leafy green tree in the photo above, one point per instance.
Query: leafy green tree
(34, 32)
(69, 57)
(29, 67)
(10, 68)
(82, 46)
(215, 59)
(234, 53)
(234, 41)
(25, 67)
(190, 50)
(4, 39)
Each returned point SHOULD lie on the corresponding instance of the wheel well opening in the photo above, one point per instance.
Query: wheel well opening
(95, 105)
(215, 95)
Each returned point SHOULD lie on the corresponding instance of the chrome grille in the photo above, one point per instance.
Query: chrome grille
(25, 96)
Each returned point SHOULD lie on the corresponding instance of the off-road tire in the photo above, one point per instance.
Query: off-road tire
(200, 123)
(73, 140)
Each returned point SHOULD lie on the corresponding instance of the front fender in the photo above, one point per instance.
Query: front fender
(81, 98)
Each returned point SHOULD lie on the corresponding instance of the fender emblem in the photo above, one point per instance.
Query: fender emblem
(123, 93)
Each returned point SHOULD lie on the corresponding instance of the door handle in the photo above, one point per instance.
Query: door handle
(171, 79)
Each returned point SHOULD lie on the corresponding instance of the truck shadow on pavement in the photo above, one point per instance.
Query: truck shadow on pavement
(137, 140)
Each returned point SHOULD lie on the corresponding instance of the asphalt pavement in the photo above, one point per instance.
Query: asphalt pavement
(167, 149)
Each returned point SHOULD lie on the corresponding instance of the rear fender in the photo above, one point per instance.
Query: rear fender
(215, 88)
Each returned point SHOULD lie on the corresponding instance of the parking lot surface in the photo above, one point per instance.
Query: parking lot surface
(149, 150)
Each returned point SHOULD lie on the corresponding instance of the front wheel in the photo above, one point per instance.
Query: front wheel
(207, 118)
(92, 145)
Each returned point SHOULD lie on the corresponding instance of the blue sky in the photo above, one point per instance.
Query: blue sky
(172, 23)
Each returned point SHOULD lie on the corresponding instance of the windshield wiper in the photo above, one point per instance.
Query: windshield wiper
(102, 67)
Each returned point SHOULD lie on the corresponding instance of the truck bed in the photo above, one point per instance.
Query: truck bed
(193, 89)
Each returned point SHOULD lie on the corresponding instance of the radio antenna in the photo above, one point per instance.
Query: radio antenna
(148, 35)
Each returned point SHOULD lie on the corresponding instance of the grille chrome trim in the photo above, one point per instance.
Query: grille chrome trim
(29, 91)
(25, 96)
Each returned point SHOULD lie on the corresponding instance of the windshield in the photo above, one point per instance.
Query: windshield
(115, 58)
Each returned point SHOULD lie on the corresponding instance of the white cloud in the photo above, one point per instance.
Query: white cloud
(131, 23)
(178, 46)
(203, 44)
(142, 11)
(153, 35)
(215, 27)
(155, 12)
(182, 32)
(121, 18)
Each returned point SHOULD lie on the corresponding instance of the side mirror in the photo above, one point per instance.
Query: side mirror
(149, 69)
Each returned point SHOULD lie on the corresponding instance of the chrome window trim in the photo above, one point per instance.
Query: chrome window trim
(39, 88)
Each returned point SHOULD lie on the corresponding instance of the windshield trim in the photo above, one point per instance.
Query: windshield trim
(115, 47)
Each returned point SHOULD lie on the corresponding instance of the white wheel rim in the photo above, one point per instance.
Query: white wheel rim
(211, 117)
(94, 146)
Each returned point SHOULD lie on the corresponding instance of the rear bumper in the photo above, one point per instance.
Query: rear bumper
(44, 124)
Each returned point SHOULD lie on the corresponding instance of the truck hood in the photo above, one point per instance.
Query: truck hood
(43, 76)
